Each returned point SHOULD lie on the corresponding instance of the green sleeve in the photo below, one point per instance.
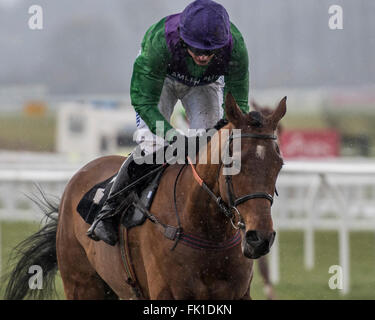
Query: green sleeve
(149, 71)
(237, 78)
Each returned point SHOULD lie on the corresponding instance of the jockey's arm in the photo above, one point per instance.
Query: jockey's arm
(237, 79)
(149, 71)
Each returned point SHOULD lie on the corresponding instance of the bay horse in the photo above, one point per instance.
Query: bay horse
(226, 223)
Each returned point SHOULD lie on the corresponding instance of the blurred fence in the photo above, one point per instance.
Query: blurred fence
(324, 196)
(312, 196)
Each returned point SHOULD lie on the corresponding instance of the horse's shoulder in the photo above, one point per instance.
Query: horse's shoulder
(170, 174)
(173, 170)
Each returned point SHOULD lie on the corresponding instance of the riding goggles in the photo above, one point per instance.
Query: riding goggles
(201, 52)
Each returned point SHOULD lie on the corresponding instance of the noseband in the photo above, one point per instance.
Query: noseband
(233, 202)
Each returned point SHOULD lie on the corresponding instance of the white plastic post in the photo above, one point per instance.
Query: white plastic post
(309, 248)
(344, 259)
(275, 261)
(343, 236)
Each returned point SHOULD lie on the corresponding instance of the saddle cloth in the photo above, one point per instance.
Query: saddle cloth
(92, 202)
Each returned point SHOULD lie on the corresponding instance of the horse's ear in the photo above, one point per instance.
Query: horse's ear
(232, 110)
(279, 112)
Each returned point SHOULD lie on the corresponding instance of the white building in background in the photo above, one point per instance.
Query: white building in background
(89, 129)
(92, 129)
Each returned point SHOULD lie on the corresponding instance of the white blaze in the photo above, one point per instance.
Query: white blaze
(260, 152)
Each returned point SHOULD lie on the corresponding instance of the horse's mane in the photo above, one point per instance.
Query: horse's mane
(255, 119)
(220, 124)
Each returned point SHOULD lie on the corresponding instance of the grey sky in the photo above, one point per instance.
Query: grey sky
(89, 46)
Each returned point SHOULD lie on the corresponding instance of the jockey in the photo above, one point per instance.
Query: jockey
(185, 56)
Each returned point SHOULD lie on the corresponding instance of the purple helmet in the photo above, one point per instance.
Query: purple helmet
(204, 24)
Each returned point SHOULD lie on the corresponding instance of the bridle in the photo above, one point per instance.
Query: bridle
(233, 201)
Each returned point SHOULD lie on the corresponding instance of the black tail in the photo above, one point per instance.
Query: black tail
(38, 249)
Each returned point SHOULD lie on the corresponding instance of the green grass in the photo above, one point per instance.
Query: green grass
(298, 283)
(295, 281)
(13, 233)
(31, 133)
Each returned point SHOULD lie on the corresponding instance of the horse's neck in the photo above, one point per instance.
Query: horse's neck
(201, 214)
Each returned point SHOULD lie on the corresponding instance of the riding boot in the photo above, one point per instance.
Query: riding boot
(103, 227)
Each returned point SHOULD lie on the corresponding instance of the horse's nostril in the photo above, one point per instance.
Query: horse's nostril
(252, 236)
(259, 242)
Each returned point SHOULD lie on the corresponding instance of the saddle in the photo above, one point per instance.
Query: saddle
(143, 193)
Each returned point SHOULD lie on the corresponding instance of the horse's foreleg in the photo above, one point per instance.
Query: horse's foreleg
(264, 271)
(247, 293)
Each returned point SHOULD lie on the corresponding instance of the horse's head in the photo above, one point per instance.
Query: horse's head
(251, 191)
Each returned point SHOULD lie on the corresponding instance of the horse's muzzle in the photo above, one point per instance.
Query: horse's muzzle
(257, 243)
